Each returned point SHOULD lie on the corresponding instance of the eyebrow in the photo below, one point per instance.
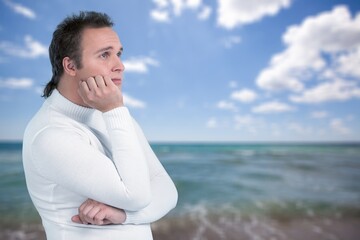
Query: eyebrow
(107, 48)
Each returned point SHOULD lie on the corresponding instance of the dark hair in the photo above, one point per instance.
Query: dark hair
(66, 42)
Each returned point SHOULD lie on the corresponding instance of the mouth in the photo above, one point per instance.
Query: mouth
(117, 81)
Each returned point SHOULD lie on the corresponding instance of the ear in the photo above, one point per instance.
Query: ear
(69, 66)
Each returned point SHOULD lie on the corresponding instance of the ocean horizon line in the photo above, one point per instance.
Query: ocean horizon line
(224, 142)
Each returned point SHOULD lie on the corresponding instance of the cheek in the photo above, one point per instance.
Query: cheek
(93, 68)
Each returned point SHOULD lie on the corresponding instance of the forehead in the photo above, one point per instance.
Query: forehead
(97, 38)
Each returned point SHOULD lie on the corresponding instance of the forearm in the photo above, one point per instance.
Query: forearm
(163, 190)
(100, 92)
(128, 157)
(164, 199)
(164, 193)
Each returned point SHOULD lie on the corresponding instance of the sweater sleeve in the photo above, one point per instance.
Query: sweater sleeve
(164, 193)
(65, 156)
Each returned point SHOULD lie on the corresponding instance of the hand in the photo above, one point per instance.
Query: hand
(100, 93)
(97, 213)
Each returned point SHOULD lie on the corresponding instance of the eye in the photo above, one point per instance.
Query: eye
(119, 54)
(104, 55)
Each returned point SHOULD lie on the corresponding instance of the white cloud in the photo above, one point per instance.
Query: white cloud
(205, 13)
(20, 9)
(300, 129)
(338, 90)
(212, 123)
(244, 120)
(39, 90)
(139, 64)
(319, 114)
(233, 13)
(191, 3)
(273, 107)
(248, 123)
(16, 83)
(329, 31)
(349, 63)
(180, 5)
(230, 41)
(160, 15)
(32, 48)
(166, 9)
(313, 47)
(161, 3)
(244, 95)
(226, 105)
(338, 126)
(132, 102)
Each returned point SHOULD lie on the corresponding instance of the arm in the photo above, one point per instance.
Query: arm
(97, 213)
(162, 188)
(64, 156)
(164, 193)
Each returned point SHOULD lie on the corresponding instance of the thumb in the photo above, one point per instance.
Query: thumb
(76, 219)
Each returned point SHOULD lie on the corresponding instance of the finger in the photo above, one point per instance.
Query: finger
(100, 81)
(76, 219)
(87, 209)
(83, 86)
(91, 83)
(80, 215)
(83, 205)
(83, 214)
(106, 222)
(82, 219)
(99, 218)
(92, 213)
(108, 81)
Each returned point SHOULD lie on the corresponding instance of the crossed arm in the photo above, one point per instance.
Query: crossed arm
(132, 187)
(163, 191)
(97, 213)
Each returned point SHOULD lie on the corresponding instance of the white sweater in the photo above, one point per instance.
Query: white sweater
(72, 153)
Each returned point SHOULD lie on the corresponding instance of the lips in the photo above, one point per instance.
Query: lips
(117, 81)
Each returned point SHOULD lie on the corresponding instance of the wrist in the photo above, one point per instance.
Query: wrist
(119, 217)
(109, 108)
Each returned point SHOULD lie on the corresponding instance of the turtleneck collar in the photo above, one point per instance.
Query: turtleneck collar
(69, 108)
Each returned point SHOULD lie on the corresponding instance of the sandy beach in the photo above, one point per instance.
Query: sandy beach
(251, 228)
(256, 229)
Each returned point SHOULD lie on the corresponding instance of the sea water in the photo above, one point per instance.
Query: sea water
(224, 186)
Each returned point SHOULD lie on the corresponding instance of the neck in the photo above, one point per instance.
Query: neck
(68, 87)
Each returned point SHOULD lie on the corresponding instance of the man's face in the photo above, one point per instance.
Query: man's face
(101, 50)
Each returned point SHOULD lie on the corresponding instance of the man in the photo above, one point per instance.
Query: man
(90, 171)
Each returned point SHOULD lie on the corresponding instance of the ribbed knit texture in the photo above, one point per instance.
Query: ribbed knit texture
(72, 153)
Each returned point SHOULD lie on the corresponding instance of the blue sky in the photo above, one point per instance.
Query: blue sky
(197, 70)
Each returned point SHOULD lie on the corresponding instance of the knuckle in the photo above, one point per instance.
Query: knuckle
(97, 218)
(89, 220)
(99, 222)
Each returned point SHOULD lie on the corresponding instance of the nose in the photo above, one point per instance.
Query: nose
(118, 65)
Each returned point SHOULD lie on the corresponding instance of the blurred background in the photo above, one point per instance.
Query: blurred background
(252, 107)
